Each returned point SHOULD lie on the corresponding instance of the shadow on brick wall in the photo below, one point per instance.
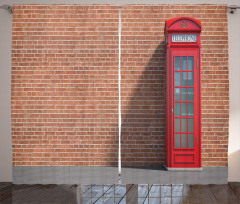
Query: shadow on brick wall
(143, 112)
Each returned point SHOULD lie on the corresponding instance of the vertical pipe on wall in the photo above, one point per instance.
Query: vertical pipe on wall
(119, 93)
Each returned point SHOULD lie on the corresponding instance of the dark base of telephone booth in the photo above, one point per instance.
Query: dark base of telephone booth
(181, 169)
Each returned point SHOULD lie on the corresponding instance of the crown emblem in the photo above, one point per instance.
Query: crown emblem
(184, 24)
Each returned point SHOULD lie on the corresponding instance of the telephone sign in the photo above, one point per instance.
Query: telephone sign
(184, 38)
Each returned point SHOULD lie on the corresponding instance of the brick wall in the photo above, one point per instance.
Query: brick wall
(143, 79)
(65, 84)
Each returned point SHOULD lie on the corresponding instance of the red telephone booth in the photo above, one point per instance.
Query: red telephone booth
(183, 99)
